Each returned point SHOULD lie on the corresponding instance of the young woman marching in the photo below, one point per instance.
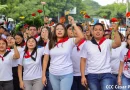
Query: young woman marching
(31, 64)
(96, 53)
(6, 59)
(115, 61)
(124, 70)
(75, 56)
(59, 48)
(20, 43)
(44, 38)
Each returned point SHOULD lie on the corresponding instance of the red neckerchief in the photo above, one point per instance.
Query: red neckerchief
(36, 36)
(100, 42)
(45, 43)
(80, 43)
(8, 49)
(126, 59)
(61, 41)
(27, 55)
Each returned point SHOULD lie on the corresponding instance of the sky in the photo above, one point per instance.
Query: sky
(105, 2)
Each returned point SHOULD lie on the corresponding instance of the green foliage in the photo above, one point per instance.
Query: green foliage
(112, 10)
(17, 8)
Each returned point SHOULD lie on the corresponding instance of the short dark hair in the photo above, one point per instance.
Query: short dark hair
(32, 26)
(78, 24)
(99, 25)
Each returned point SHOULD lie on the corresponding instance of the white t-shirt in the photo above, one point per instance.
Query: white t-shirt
(115, 58)
(75, 56)
(97, 62)
(122, 56)
(15, 62)
(6, 67)
(61, 63)
(32, 69)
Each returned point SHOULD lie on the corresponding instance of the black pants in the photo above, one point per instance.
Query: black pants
(77, 84)
(6, 85)
(15, 78)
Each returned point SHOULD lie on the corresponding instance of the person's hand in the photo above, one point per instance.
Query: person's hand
(119, 81)
(71, 20)
(22, 85)
(84, 81)
(44, 80)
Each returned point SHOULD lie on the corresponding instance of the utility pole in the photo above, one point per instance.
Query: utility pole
(127, 5)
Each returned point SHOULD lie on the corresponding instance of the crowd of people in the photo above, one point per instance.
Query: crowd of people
(65, 57)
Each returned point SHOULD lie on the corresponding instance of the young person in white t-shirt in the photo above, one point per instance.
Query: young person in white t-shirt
(124, 69)
(115, 60)
(6, 60)
(20, 43)
(96, 53)
(32, 69)
(15, 62)
(59, 48)
(75, 56)
(44, 38)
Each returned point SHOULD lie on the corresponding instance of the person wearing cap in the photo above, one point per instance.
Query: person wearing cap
(96, 53)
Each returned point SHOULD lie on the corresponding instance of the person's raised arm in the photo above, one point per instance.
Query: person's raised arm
(16, 52)
(117, 40)
(80, 34)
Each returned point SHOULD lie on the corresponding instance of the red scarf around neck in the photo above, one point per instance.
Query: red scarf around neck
(100, 42)
(27, 55)
(80, 43)
(61, 41)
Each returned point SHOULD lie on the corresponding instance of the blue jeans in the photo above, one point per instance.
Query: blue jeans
(125, 83)
(62, 82)
(77, 84)
(115, 78)
(100, 81)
